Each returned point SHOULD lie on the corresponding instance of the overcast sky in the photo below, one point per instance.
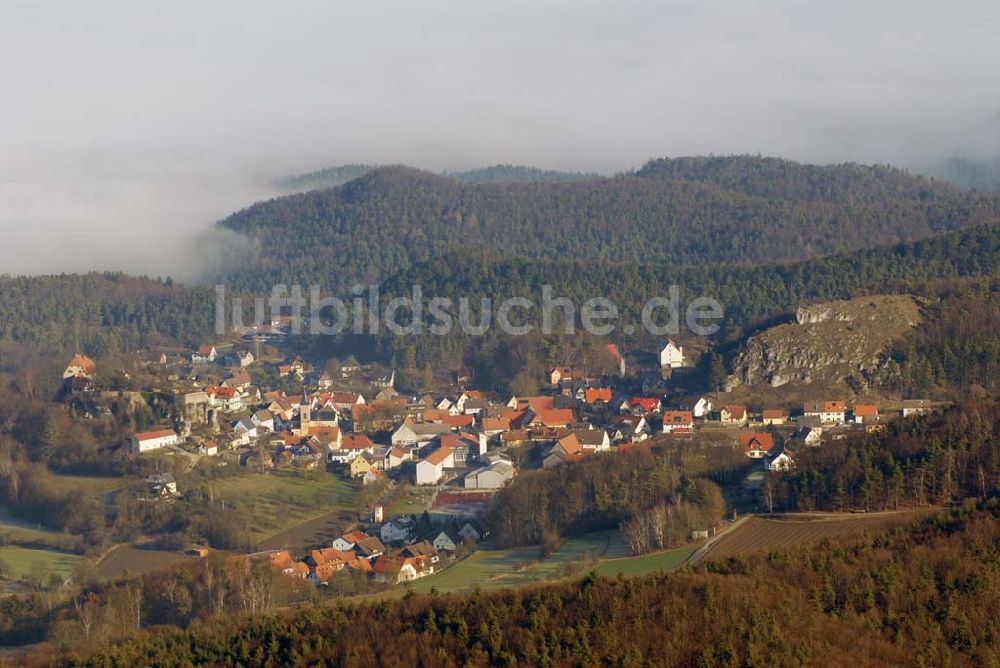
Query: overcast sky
(127, 128)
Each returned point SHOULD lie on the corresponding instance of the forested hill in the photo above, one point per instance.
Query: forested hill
(690, 211)
(330, 177)
(101, 313)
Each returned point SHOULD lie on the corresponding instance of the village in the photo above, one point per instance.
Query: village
(451, 450)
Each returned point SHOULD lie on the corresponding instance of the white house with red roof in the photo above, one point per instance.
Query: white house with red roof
(205, 355)
(153, 440)
(80, 366)
(430, 470)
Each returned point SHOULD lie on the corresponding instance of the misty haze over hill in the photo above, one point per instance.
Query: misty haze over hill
(121, 144)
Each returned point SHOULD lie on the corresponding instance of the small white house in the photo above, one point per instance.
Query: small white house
(205, 355)
(154, 440)
(672, 355)
(779, 459)
(702, 407)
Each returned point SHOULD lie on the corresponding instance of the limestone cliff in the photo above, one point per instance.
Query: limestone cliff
(841, 341)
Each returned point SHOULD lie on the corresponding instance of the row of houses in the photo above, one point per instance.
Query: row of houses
(359, 552)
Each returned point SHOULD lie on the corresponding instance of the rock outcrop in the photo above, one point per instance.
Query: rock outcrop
(840, 341)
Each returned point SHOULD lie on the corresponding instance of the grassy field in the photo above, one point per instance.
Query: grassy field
(411, 501)
(22, 561)
(282, 500)
(520, 566)
(650, 563)
(90, 485)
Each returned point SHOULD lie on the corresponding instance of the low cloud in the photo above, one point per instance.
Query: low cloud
(127, 129)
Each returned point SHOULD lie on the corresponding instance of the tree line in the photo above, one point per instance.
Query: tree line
(924, 594)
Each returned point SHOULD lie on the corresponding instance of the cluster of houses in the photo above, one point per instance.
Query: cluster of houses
(463, 439)
(393, 556)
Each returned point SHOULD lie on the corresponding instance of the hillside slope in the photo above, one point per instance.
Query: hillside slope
(691, 211)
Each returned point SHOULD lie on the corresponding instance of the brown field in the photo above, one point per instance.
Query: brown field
(760, 534)
(316, 532)
(135, 561)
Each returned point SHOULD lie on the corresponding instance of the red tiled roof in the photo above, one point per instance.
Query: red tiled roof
(438, 455)
(594, 394)
(458, 421)
(556, 417)
(85, 363)
(678, 417)
(756, 441)
(648, 404)
(150, 435)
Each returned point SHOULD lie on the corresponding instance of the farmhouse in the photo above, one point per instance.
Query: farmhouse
(154, 440)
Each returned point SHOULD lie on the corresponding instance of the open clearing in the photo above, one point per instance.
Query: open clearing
(291, 510)
(645, 564)
(521, 566)
(135, 561)
(760, 534)
(22, 561)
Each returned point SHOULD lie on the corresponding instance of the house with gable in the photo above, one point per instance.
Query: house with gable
(756, 445)
(566, 449)
(734, 414)
(779, 458)
(397, 530)
(672, 355)
(444, 542)
(430, 470)
(80, 366)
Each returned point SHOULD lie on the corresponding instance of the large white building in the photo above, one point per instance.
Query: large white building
(154, 440)
(672, 355)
